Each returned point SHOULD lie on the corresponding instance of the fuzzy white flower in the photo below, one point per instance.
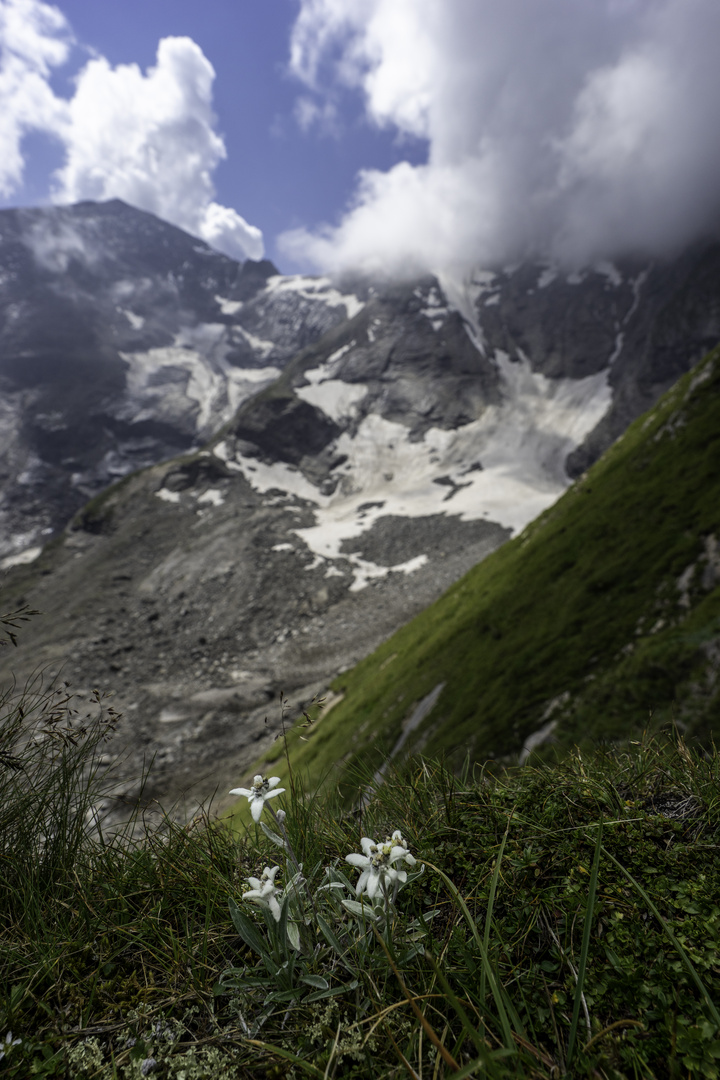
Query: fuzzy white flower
(264, 891)
(7, 1043)
(377, 862)
(262, 789)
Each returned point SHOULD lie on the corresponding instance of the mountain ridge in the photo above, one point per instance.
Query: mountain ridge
(400, 434)
(124, 341)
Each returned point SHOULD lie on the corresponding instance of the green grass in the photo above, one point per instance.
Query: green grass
(576, 927)
(578, 619)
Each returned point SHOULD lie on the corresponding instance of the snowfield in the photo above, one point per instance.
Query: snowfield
(505, 467)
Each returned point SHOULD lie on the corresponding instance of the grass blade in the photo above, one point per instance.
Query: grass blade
(429, 1030)
(587, 929)
(456, 1003)
(491, 904)
(495, 985)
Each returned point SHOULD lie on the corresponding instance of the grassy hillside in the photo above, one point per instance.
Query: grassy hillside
(556, 922)
(602, 616)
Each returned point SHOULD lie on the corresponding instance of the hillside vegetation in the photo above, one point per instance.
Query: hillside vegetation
(602, 617)
(555, 921)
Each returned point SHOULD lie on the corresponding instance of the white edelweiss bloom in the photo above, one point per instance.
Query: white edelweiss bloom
(376, 863)
(264, 891)
(370, 877)
(262, 789)
(7, 1043)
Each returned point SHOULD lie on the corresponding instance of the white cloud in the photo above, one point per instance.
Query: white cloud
(34, 38)
(569, 128)
(148, 138)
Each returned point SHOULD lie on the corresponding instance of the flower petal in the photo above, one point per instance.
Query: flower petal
(241, 791)
(357, 860)
(256, 808)
(373, 885)
(362, 881)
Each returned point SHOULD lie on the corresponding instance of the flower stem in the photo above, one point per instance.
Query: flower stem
(293, 859)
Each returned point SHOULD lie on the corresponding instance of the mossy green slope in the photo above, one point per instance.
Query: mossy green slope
(603, 613)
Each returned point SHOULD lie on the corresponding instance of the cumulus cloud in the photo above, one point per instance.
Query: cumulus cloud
(148, 138)
(567, 129)
(34, 38)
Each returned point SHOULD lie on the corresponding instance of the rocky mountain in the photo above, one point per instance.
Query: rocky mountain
(123, 341)
(397, 434)
(599, 622)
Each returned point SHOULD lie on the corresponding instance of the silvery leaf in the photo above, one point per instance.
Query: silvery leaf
(272, 835)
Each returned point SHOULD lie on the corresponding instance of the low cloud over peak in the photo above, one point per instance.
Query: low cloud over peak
(565, 129)
(148, 138)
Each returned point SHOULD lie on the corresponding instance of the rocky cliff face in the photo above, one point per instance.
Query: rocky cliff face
(349, 453)
(124, 341)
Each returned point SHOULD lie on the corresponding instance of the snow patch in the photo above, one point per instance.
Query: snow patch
(365, 572)
(548, 275)
(168, 496)
(619, 342)
(21, 559)
(181, 384)
(436, 309)
(189, 385)
(228, 307)
(213, 496)
(315, 288)
(371, 330)
(522, 443)
(258, 375)
(337, 399)
(264, 348)
(464, 294)
(326, 370)
(637, 284)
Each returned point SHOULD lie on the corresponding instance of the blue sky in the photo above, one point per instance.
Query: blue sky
(277, 175)
(387, 136)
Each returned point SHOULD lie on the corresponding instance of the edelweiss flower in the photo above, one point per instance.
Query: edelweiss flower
(260, 791)
(264, 891)
(7, 1043)
(377, 863)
